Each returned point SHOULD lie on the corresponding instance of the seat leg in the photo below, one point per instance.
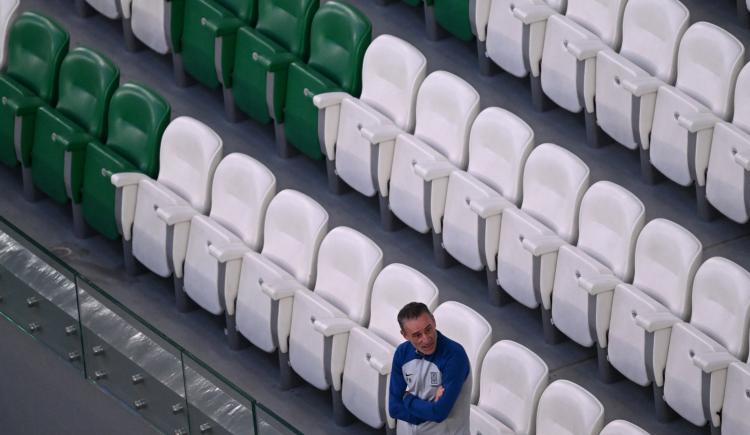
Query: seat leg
(552, 335)
(341, 415)
(714, 430)
(706, 211)
(181, 299)
(335, 184)
(132, 265)
(235, 339)
(84, 9)
(607, 373)
(664, 413)
(649, 173)
(30, 193)
(742, 13)
(231, 111)
(287, 377)
(595, 136)
(389, 430)
(81, 229)
(443, 259)
(131, 42)
(539, 99)
(282, 146)
(486, 66)
(497, 296)
(388, 220)
(181, 77)
(433, 29)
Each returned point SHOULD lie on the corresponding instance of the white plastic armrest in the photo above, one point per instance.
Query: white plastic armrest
(172, 215)
(480, 11)
(127, 178)
(694, 122)
(433, 169)
(379, 133)
(712, 361)
(598, 283)
(742, 160)
(382, 367)
(489, 206)
(585, 48)
(333, 326)
(533, 14)
(541, 245)
(326, 99)
(653, 322)
(228, 252)
(278, 290)
(641, 86)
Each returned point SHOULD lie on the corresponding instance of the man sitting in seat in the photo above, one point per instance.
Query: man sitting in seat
(430, 390)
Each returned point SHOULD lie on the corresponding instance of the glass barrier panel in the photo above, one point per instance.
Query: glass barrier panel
(268, 423)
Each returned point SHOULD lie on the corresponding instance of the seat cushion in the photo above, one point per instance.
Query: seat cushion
(147, 19)
(726, 181)
(736, 408)
(108, 8)
(453, 16)
(505, 36)
(15, 91)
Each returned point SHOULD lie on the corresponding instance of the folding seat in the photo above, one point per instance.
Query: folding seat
(736, 407)
(446, 108)
(512, 380)
(348, 263)
(370, 350)
(204, 38)
(240, 192)
(567, 408)
(261, 310)
(114, 10)
(554, 181)
(701, 351)
(727, 182)
(586, 274)
(87, 81)
(136, 120)
(155, 22)
(339, 37)
(666, 259)
(622, 427)
(392, 72)
(36, 48)
(8, 11)
(708, 62)
(468, 228)
(626, 82)
(280, 37)
(153, 216)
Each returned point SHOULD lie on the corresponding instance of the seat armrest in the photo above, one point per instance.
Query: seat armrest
(24, 105)
(585, 48)
(641, 86)
(127, 178)
(279, 289)
(652, 322)
(334, 326)
(275, 62)
(433, 169)
(541, 245)
(479, 16)
(489, 206)
(172, 215)
(533, 14)
(598, 283)
(695, 122)
(326, 99)
(712, 361)
(379, 133)
(382, 367)
(742, 160)
(76, 142)
(223, 27)
(228, 252)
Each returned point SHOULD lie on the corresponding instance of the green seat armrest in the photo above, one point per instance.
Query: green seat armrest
(274, 62)
(177, 12)
(225, 26)
(24, 105)
(74, 143)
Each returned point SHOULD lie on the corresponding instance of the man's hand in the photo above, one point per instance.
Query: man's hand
(439, 393)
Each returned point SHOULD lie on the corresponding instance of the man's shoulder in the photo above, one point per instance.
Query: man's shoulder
(451, 345)
(403, 351)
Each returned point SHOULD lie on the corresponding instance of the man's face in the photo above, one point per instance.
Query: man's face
(421, 333)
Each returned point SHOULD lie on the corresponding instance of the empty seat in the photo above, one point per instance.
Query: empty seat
(8, 11)
(114, 10)
(666, 259)
(717, 335)
(87, 81)
(468, 228)
(370, 350)
(626, 82)
(512, 380)
(392, 72)
(152, 22)
(136, 119)
(727, 182)
(154, 215)
(622, 427)
(241, 190)
(554, 181)
(736, 407)
(262, 308)
(446, 108)
(348, 263)
(567, 408)
(264, 53)
(334, 25)
(708, 62)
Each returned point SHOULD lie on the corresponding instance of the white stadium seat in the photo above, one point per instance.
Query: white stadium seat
(734, 413)
(566, 408)
(8, 11)
(622, 427)
(150, 23)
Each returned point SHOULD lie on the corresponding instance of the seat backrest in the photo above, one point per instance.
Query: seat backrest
(650, 34)
(245, 10)
(499, 144)
(87, 82)
(189, 154)
(392, 72)
(708, 62)
(446, 108)
(721, 304)
(467, 327)
(554, 181)
(8, 9)
(742, 100)
(397, 285)
(294, 227)
(287, 23)
(36, 48)
(567, 408)
(240, 193)
(513, 378)
(339, 36)
(348, 263)
(610, 221)
(602, 17)
(136, 120)
(666, 259)
(622, 427)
